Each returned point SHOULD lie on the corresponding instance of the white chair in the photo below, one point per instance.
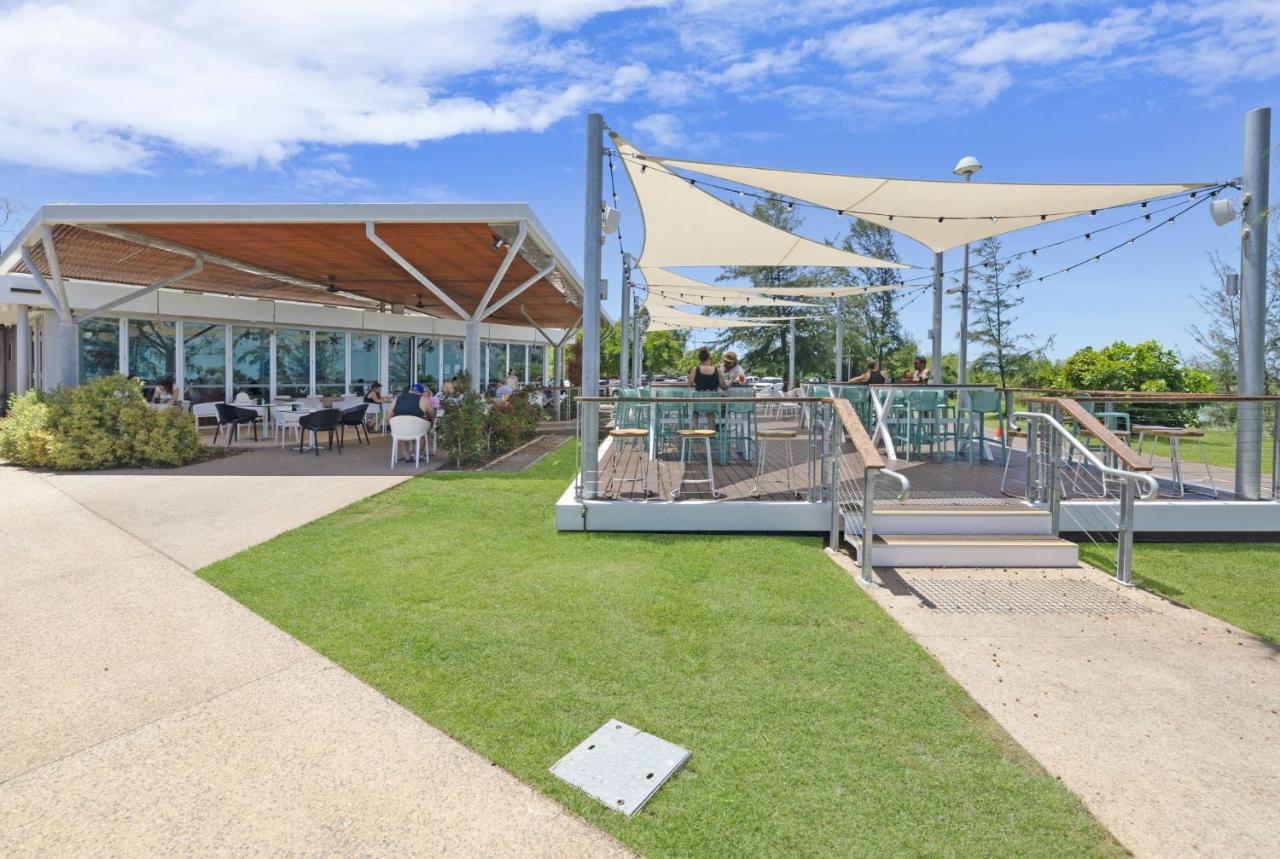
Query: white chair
(286, 422)
(409, 428)
(204, 410)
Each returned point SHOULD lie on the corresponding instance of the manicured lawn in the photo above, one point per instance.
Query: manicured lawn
(818, 728)
(1237, 582)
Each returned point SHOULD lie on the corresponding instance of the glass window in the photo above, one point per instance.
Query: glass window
(497, 363)
(204, 351)
(450, 358)
(364, 361)
(251, 362)
(99, 348)
(151, 350)
(331, 362)
(428, 362)
(516, 361)
(537, 364)
(399, 362)
(293, 362)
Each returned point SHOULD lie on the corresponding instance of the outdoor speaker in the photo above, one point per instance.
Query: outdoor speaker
(1222, 211)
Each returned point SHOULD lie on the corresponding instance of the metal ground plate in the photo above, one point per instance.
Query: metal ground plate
(621, 766)
(1001, 596)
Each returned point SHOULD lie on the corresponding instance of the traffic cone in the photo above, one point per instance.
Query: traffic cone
(999, 432)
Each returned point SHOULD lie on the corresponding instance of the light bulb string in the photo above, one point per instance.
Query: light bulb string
(792, 202)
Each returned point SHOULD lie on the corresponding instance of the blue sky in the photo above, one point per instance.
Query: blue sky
(335, 101)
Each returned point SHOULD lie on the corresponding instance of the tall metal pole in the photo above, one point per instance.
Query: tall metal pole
(935, 372)
(791, 354)
(839, 376)
(1253, 302)
(637, 344)
(624, 328)
(962, 370)
(589, 413)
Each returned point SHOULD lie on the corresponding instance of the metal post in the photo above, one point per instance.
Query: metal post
(962, 358)
(791, 354)
(1275, 455)
(1124, 539)
(471, 354)
(624, 329)
(22, 351)
(68, 354)
(1033, 461)
(868, 503)
(1054, 445)
(590, 412)
(935, 374)
(839, 376)
(837, 438)
(637, 344)
(1253, 303)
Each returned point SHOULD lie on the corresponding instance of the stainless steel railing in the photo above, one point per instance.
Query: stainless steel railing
(854, 476)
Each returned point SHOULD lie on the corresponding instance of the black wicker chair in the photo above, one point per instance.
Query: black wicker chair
(353, 417)
(233, 417)
(325, 420)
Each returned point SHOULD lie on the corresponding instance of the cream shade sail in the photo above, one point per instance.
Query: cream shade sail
(665, 316)
(678, 289)
(686, 226)
(938, 214)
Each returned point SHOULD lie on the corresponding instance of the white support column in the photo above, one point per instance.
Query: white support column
(311, 362)
(228, 362)
(471, 353)
(346, 363)
(1253, 303)
(68, 354)
(180, 358)
(589, 413)
(271, 366)
(22, 350)
(122, 341)
(839, 376)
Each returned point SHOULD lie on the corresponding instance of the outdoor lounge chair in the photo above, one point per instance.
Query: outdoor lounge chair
(232, 417)
(353, 417)
(325, 420)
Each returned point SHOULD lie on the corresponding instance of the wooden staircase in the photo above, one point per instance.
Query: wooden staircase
(1015, 535)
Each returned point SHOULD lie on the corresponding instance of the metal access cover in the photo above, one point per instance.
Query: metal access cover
(621, 766)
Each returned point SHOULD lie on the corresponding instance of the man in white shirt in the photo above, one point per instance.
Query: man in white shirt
(920, 375)
(732, 370)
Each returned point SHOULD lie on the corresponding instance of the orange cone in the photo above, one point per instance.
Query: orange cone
(999, 432)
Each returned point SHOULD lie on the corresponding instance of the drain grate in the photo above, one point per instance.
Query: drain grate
(1000, 596)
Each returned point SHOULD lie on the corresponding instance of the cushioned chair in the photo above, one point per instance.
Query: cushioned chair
(233, 417)
(325, 420)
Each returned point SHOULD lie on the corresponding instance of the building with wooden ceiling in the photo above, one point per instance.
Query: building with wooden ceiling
(283, 299)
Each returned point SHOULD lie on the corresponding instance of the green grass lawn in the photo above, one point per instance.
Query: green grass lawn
(1237, 582)
(818, 728)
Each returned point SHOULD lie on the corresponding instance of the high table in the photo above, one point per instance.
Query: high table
(882, 398)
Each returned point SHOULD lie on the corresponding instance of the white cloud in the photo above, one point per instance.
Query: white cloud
(662, 129)
(107, 86)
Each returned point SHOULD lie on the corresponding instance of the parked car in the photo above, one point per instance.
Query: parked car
(768, 383)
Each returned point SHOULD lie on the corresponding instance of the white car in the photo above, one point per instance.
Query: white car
(768, 383)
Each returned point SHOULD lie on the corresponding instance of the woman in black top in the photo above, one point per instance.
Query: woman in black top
(873, 376)
(706, 376)
(374, 394)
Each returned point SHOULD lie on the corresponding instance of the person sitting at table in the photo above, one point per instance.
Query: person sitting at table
(732, 370)
(448, 395)
(165, 393)
(873, 376)
(418, 402)
(920, 374)
(374, 394)
(706, 376)
(504, 390)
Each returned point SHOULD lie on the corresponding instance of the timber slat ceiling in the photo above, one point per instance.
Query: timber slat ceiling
(457, 257)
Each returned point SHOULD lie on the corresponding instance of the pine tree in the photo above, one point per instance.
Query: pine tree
(873, 328)
(1219, 336)
(992, 302)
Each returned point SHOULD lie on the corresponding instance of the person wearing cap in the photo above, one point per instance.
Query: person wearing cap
(732, 370)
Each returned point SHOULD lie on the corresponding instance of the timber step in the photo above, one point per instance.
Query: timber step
(960, 550)
(961, 520)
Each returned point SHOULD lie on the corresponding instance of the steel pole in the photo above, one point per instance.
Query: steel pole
(590, 412)
(962, 362)
(935, 372)
(22, 351)
(791, 354)
(1253, 303)
(839, 377)
(624, 331)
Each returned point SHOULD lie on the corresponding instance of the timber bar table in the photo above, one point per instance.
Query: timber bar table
(882, 399)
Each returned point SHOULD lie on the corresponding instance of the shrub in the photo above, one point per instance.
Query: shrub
(472, 430)
(105, 423)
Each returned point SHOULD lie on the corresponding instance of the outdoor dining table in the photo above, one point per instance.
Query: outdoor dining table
(882, 399)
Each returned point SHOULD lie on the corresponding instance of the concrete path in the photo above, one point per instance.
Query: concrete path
(144, 712)
(1164, 720)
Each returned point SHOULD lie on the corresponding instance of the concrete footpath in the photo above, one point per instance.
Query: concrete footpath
(145, 712)
(1165, 721)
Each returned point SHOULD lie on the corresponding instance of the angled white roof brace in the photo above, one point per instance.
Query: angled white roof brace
(372, 233)
(55, 300)
(169, 280)
(512, 251)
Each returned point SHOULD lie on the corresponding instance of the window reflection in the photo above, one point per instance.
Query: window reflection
(204, 351)
(99, 348)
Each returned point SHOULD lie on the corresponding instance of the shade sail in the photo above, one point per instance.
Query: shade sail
(686, 226)
(938, 214)
(665, 316)
(678, 289)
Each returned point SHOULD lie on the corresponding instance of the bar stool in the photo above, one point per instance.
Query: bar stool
(705, 435)
(637, 436)
(763, 437)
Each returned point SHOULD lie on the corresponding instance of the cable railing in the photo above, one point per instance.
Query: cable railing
(853, 478)
(1059, 464)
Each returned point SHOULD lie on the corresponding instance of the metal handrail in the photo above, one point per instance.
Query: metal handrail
(905, 484)
(846, 421)
(1128, 480)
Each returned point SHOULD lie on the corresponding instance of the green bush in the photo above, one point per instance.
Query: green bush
(472, 431)
(1145, 366)
(105, 423)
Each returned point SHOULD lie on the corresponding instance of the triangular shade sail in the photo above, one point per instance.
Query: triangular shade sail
(678, 289)
(938, 214)
(665, 316)
(686, 226)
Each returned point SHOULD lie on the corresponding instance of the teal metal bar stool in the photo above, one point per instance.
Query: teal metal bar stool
(971, 424)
